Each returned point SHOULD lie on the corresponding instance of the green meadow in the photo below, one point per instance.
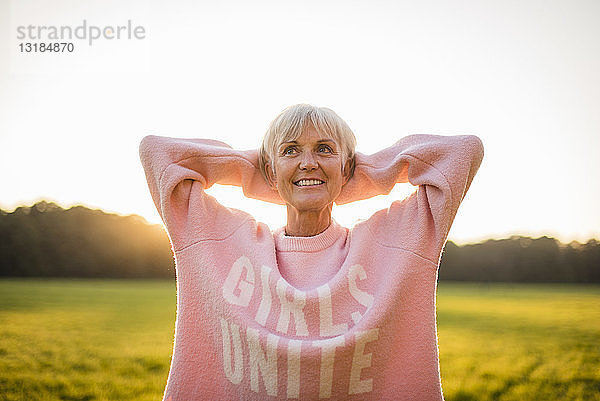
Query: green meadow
(111, 340)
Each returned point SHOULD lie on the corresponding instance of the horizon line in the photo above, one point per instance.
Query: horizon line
(499, 237)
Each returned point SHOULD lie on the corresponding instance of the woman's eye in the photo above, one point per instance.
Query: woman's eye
(325, 148)
(290, 150)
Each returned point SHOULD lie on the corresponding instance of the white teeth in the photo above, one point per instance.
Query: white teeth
(305, 183)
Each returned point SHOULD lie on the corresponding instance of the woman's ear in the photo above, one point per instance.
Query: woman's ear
(271, 177)
(348, 170)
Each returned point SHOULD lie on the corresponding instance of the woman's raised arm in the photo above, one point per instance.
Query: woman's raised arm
(179, 170)
(443, 168)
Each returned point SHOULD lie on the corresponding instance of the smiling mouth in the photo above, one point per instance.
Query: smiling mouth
(308, 183)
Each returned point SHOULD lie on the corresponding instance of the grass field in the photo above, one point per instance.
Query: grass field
(111, 340)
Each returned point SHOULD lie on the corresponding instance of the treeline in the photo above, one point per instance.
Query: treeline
(522, 259)
(45, 240)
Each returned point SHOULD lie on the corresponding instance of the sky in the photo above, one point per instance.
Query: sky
(521, 75)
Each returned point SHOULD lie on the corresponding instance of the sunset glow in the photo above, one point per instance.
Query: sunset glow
(521, 76)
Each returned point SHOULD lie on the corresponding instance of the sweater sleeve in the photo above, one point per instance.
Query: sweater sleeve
(179, 170)
(442, 167)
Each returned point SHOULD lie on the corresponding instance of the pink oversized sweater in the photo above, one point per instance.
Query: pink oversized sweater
(344, 315)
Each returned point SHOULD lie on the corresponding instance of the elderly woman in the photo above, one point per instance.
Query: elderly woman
(312, 310)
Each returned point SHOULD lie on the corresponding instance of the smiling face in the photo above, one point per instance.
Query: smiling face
(309, 171)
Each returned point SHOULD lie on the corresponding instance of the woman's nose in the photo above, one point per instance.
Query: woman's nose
(308, 162)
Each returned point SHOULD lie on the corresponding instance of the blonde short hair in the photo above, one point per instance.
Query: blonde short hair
(290, 123)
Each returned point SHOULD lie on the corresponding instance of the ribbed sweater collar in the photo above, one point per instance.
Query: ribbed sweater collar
(308, 244)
